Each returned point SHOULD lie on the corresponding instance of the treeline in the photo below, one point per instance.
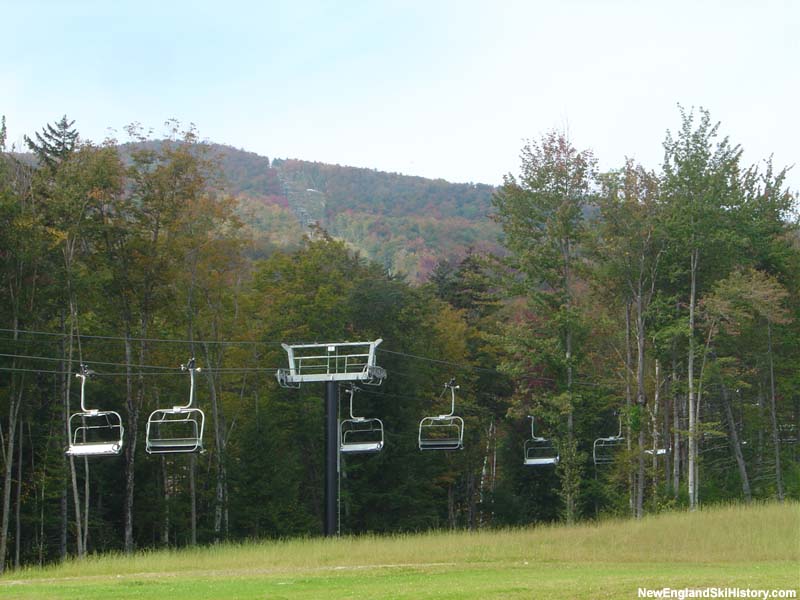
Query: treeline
(665, 302)
(387, 194)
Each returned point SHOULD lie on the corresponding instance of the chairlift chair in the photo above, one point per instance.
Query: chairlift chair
(539, 451)
(443, 432)
(94, 432)
(787, 432)
(360, 435)
(657, 451)
(178, 429)
(605, 448)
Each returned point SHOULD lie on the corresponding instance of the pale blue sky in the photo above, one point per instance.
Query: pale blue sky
(445, 89)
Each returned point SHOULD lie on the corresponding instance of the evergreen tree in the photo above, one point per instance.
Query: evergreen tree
(55, 143)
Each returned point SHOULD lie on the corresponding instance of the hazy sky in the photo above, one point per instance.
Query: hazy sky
(445, 89)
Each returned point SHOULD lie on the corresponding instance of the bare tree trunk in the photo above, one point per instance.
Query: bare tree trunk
(193, 496)
(628, 404)
(15, 400)
(677, 402)
(62, 542)
(165, 479)
(14, 404)
(736, 448)
(130, 447)
(667, 412)
(761, 421)
(692, 483)
(18, 502)
(42, 487)
(76, 503)
(485, 472)
(219, 439)
(776, 439)
(654, 425)
(67, 388)
(641, 403)
(86, 484)
(81, 531)
(676, 442)
(570, 472)
(571, 480)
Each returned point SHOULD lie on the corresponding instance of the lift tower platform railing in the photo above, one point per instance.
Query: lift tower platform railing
(332, 363)
(340, 362)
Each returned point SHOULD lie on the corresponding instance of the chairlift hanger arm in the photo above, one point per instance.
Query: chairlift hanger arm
(189, 366)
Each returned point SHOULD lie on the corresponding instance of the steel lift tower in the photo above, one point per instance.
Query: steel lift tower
(331, 363)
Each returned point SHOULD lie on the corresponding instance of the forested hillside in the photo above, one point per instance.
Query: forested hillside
(405, 223)
(647, 319)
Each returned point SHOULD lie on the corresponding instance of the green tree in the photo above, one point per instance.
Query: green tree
(628, 249)
(542, 215)
(702, 191)
(24, 263)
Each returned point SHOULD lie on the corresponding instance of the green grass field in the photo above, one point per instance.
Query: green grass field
(756, 547)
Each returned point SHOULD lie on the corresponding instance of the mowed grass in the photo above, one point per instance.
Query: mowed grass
(755, 547)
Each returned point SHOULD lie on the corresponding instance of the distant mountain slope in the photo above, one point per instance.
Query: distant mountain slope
(407, 223)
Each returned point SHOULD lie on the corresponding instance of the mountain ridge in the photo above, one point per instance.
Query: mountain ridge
(407, 223)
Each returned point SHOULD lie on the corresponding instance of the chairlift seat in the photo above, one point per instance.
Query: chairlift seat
(540, 452)
(658, 452)
(360, 435)
(445, 432)
(177, 429)
(90, 449)
(361, 448)
(175, 445)
(540, 462)
(94, 432)
(100, 433)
